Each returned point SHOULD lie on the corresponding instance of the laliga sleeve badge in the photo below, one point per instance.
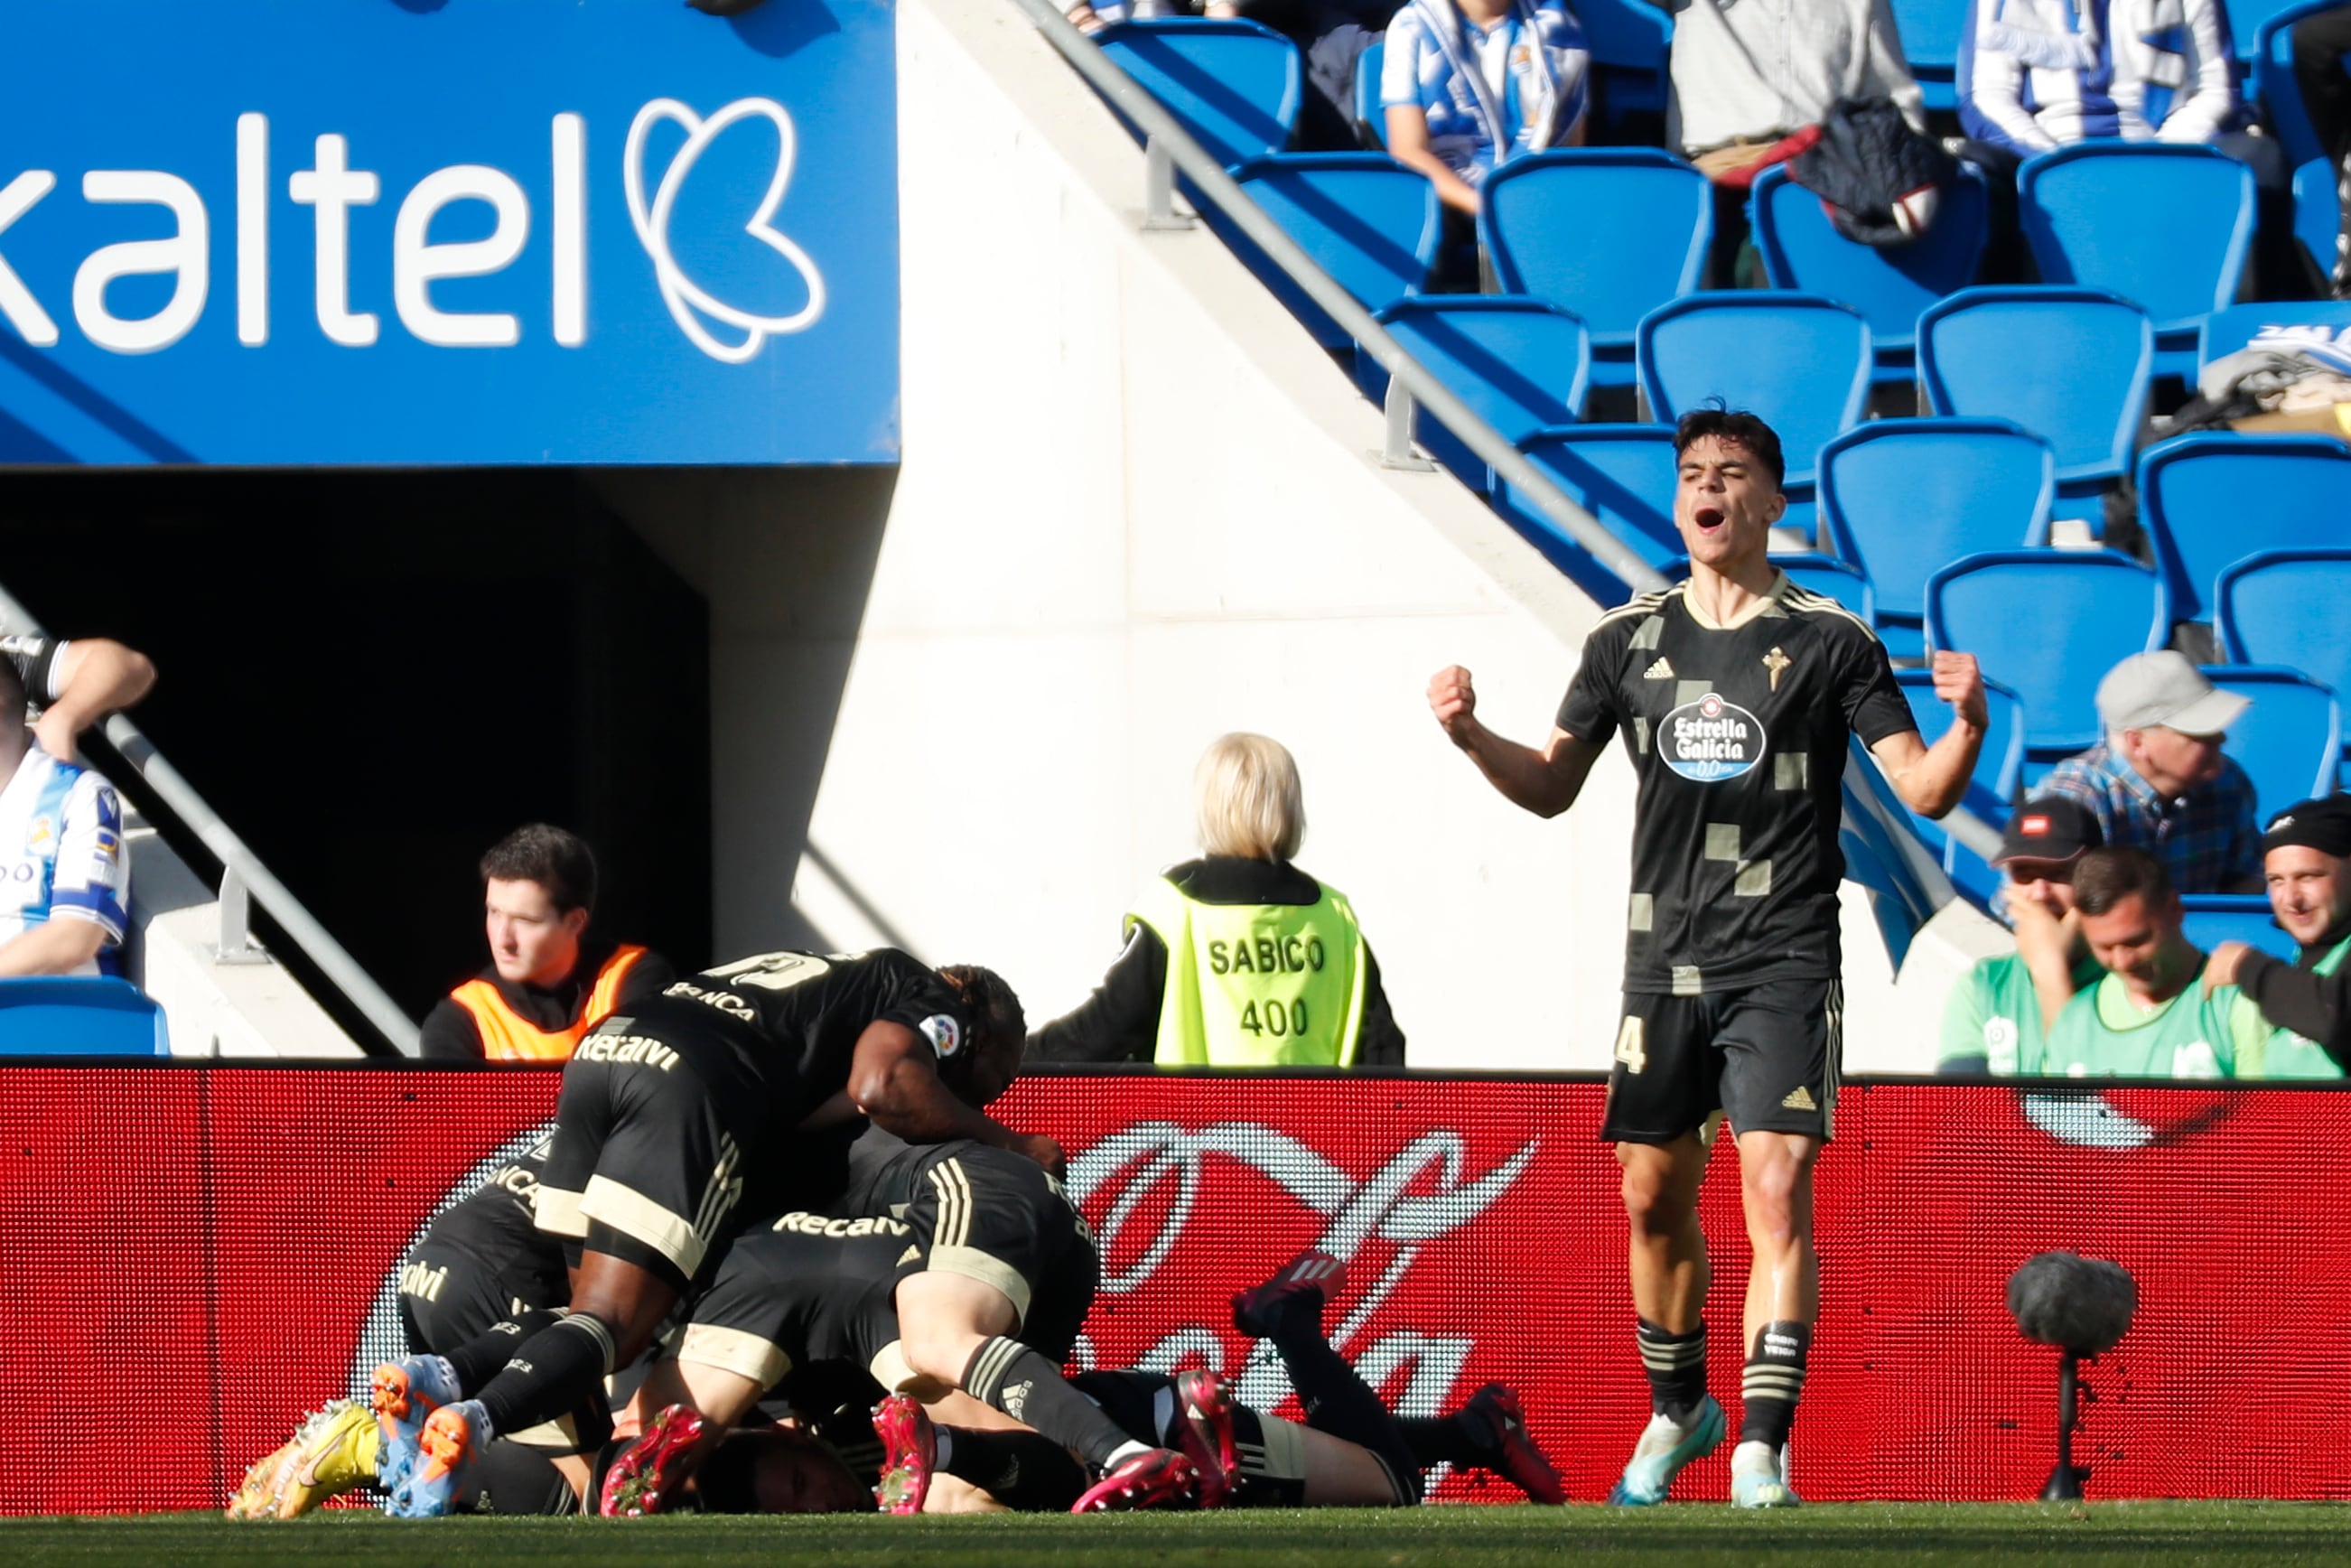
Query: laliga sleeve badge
(945, 1035)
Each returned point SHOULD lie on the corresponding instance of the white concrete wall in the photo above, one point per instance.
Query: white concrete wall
(210, 1008)
(1138, 509)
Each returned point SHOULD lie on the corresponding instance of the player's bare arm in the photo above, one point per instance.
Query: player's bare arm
(52, 947)
(1931, 780)
(1545, 781)
(895, 1080)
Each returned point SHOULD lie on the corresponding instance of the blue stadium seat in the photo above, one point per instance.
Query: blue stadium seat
(1930, 31)
(1622, 474)
(76, 1017)
(2286, 607)
(1902, 498)
(2290, 742)
(2164, 224)
(1368, 220)
(2000, 765)
(1610, 233)
(2238, 327)
(1371, 119)
(2071, 365)
(2214, 497)
(1629, 40)
(2049, 624)
(1234, 85)
(1799, 362)
(1521, 365)
(1890, 286)
(2217, 917)
(2317, 214)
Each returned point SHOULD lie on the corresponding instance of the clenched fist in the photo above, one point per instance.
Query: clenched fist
(1454, 701)
(1960, 682)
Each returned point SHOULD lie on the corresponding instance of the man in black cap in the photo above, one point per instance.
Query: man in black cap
(1994, 1019)
(2306, 857)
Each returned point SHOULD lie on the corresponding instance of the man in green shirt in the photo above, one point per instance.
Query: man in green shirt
(2307, 1005)
(2147, 1017)
(1992, 1021)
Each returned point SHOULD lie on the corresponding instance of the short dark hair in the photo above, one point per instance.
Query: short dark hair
(2105, 877)
(559, 862)
(1732, 427)
(995, 1006)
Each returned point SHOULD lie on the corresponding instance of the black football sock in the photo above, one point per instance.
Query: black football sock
(1448, 1440)
(1773, 1381)
(1339, 1402)
(1675, 1364)
(512, 1479)
(1026, 1471)
(553, 1372)
(484, 1355)
(1013, 1378)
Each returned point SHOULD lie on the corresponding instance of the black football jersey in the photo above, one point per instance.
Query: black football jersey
(793, 1019)
(1738, 738)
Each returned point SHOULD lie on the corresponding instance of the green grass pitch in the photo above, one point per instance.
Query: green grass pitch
(2100, 1535)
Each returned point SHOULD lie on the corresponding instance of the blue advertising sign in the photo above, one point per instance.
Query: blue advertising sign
(290, 232)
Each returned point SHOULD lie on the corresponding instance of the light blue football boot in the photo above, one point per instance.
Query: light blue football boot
(1759, 1478)
(403, 1394)
(1665, 1447)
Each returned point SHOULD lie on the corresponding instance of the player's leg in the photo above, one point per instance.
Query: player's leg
(1779, 1072)
(1489, 1432)
(666, 1176)
(1661, 1103)
(1287, 1312)
(960, 1455)
(954, 1332)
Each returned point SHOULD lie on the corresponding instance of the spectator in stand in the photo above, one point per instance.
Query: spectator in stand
(546, 985)
(1238, 959)
(2035, 75)
(1993, 1022)
(62, 831)
(1467, 85)
(1747, 73)
(2307, 1005)
(74, 684)
(2321, 41)
(2146, 1017)
(2159, 781)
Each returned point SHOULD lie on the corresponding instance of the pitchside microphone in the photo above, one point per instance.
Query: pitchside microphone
(2082, 1306)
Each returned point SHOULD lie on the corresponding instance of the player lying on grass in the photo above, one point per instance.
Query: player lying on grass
(1352, 1452)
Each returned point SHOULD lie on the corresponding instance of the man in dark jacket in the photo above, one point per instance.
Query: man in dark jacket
(2306, 855)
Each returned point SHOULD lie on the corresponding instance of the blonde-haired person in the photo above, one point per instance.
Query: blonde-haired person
(1237, 959)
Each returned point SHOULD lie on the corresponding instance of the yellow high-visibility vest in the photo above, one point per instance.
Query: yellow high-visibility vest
(507, 1036)
(1257, 985)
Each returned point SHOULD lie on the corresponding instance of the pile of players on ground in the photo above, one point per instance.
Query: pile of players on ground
(891, 1331)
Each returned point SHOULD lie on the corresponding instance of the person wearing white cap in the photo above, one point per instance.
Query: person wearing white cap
(2160, 782)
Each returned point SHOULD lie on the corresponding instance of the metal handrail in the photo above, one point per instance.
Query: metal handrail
(241, 870)
(1167, 143)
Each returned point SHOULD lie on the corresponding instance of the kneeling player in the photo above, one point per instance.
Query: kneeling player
(832, 1313)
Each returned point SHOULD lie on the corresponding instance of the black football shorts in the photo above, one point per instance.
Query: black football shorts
(1765, 1057)
(652, 1131)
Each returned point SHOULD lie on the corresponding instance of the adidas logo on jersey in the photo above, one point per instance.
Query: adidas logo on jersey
(1800, 1100)
(1660, 671)
(910, 1255)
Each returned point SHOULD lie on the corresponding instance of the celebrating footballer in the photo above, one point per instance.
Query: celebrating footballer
(1737, 693)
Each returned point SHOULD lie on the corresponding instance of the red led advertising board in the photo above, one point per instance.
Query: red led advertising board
(197, 1255)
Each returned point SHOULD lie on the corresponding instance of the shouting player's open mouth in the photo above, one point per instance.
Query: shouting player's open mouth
(1707, 520)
